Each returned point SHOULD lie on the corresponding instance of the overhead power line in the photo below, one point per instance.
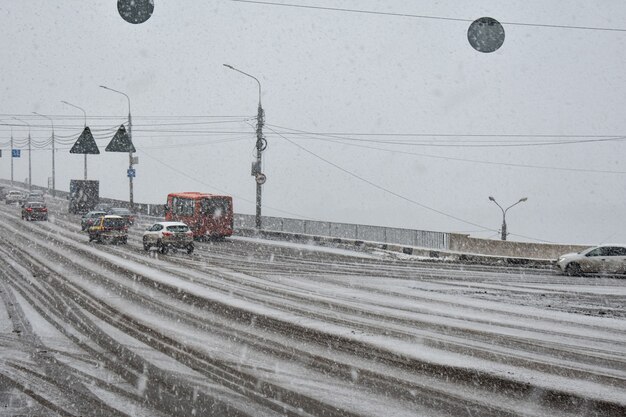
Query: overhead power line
(440, 135)
(346, 137)
(124, 117)
(420, 16)
(475, 161)
(386, 190)
(379, 187)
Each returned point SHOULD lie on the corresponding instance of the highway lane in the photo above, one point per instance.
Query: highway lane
(315, 332)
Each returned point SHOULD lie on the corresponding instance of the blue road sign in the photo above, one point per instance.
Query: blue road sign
(130, 172)
(15, 153)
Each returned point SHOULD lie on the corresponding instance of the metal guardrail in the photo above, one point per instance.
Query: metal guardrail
(409, 237)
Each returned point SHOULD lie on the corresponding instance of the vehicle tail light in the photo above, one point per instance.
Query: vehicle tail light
(189, 233)
(29, 209)
(167, 233)
(44, 209)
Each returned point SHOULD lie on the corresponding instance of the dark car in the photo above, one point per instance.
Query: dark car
(34, 210)
(102, 207)
(90, 218)
(122, 212)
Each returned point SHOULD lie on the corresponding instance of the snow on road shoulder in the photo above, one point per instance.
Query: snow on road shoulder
(304, 246)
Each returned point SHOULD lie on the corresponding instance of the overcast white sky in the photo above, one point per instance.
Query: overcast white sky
(399, 79)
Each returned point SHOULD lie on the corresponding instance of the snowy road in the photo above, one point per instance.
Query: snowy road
(248, 327)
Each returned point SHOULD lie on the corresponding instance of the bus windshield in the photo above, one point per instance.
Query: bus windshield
(183, 206)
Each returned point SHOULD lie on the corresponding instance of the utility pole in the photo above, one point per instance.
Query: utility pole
(260, 120)
(10, 150)
(130, 153)
(131, 200)
(30, 180)
(53, 172)
(261, 144)
(504, 232)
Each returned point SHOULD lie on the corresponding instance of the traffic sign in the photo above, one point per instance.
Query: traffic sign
(256, 168)
(130, 172)
(260, 178)
(15, 153)
(121, 142)
(85, 143)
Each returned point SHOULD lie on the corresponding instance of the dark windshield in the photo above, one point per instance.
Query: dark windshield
(120, 211)
(178, 228)
(114, 222)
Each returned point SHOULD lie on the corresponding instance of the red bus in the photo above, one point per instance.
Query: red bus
(207, 215)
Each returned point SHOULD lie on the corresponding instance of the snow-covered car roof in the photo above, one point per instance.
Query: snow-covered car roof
(171, 224)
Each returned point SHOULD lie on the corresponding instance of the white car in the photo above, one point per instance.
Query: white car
(609, 259)
(165, 235)
(14, 196)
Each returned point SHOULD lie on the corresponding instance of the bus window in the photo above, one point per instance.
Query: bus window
(182, 206)
(215, 207)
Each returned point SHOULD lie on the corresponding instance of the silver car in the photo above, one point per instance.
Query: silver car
(14, 196)
(610, 259)
(166, 235)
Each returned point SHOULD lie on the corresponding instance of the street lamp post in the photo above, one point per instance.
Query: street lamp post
(504, 233)
(30, 180)
(260, 146)
(11, 151)
(53, 172)
(130, 153)
(85, 116)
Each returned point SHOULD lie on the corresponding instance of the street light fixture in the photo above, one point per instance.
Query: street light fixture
(53, 172)
(30, 180)
(85, 115)
(504, 233)
(130, 153)
(261, 144)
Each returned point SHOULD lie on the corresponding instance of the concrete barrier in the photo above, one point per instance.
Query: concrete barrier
(465, 244)
(371, 233)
